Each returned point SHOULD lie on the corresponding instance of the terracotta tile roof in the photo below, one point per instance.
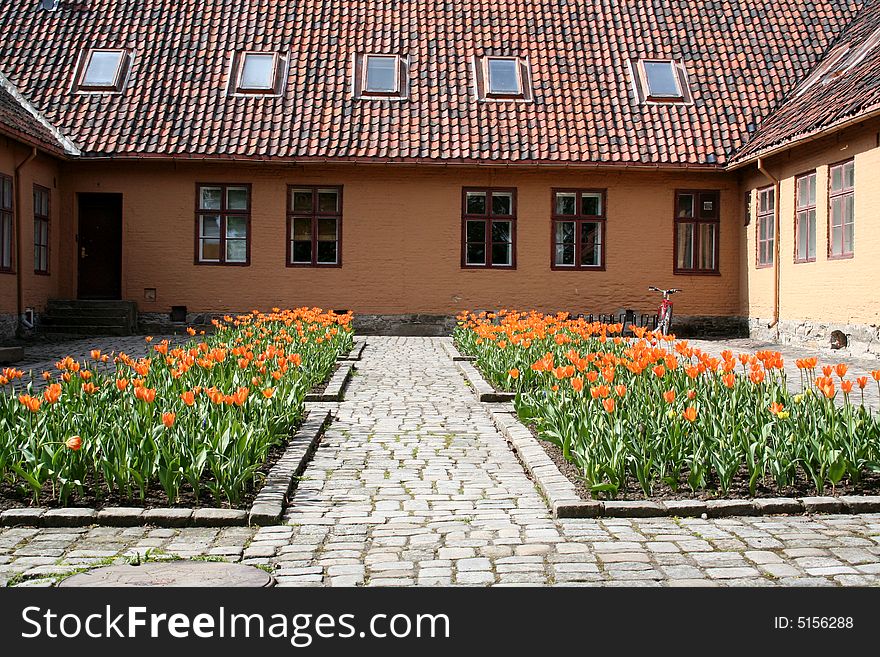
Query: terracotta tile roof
(741, 57)
(814, 108)
(18, 121)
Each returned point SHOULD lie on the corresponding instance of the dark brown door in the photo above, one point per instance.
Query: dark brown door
(99, 246)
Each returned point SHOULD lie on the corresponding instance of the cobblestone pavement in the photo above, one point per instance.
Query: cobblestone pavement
(858, 366)
(413, 485)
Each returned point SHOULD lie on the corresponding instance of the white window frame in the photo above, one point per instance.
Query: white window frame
(365, 90)
(120, 80)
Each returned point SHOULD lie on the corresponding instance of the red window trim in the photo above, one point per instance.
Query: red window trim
(844, 255)
(47, 219)
(121, 72)
(487, 218)
(797, 211)
(11, 212)
(578, 219)
(223, 212)
(315, 214)
(697, 220)
(760, 217)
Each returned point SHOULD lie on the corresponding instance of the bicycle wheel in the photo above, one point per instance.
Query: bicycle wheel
(663, 320)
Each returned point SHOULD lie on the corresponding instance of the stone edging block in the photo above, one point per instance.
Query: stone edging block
(480, 387)
(335, 388)
(267, 508)
(356, 351)
(271, 501)
(564, 501)
(452, 351)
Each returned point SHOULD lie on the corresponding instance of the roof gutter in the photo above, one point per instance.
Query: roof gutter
(770, 151)
(19, 267)
(776, 248)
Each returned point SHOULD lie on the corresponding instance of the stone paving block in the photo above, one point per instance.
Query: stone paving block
(169, 517)
(822, 504)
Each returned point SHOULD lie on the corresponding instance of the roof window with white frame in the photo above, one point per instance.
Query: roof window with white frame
(380, 75)
(258, 73)
(661, 81)
(503, 78)
(103, 70)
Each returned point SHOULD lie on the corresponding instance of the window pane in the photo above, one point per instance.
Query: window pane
(381, 74)
(803, 242)
(302, 200)
(210, 226)
(475, 203)
(848, 238)
(591, 244)
(258, 71)
(236, 227)
(504, 76)
(566, 203)
(565, 231)
(44, 232)
(837, 211)
(302, 229)
(685, 206)
(327, 252)
(662, 79)
(685, 255)
(708, 206)
(849, 179)
(501, 231)
(102, 69)
(707, 247)
(591, 205)
(210, 249)
(565, 254)
(501, 254)
(328, 201)
(236, 198)
(6, 194)
(326, 229)
(502, 203)
(210, 198)
(302, 252)
(236, 250)
(475, 254)
(476, 231)
(811, 232)
(38, 263)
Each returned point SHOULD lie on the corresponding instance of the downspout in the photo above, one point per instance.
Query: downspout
(776, 249)
(19, 281)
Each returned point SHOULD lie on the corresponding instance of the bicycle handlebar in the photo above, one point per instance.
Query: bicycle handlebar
(670, 291)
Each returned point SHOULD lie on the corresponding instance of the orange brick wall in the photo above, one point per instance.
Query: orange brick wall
(402, 240)
(827, 291)
(41, 171)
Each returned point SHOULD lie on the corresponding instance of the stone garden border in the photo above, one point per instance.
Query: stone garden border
(356, 351)
(266, 509)
(453, 352)
(564, 501)
(483, 390)
(335, 388)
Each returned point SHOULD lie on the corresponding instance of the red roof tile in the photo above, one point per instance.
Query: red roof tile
(19, 122)
(741, 58)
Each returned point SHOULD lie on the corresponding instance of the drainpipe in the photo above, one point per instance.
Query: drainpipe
(19, 284)
(776, 200)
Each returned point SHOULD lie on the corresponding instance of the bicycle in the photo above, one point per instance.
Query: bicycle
(664, 313)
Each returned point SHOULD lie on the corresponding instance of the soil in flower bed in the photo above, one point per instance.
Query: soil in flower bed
(739, 488)
(13, 497)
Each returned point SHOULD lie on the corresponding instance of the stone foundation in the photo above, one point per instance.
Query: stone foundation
(705, 326)
(863, 339)
(8, 326)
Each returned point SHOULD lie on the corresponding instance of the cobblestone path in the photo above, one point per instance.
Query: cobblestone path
(413, 485)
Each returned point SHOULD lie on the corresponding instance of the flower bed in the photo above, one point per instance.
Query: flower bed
(652, 413)
(197, 419)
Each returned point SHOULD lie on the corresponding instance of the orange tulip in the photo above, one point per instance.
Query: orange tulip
(692, 394)
(608, 404)
(776, 408)
(578, 384)
(121, 384)
(95, 354)
(620, 390)
(52, 393)
(74, 443)
(841, 370)
(268, 392)
(757, 376)
(30, 403)
(514, 373)
(90, 388)
(669, 396)
(85, 375)
(846, 386)
(240, 396)
(188, 398)
(827, 369)
(862, 381)
(168, 419)
(690, 414)
(875, 374)
(729, 379)
(659, 371)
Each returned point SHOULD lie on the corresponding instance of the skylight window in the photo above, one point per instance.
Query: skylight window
(258, 73)
(503, 78)
(380, 76)
(661, 81)
(104, 70)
